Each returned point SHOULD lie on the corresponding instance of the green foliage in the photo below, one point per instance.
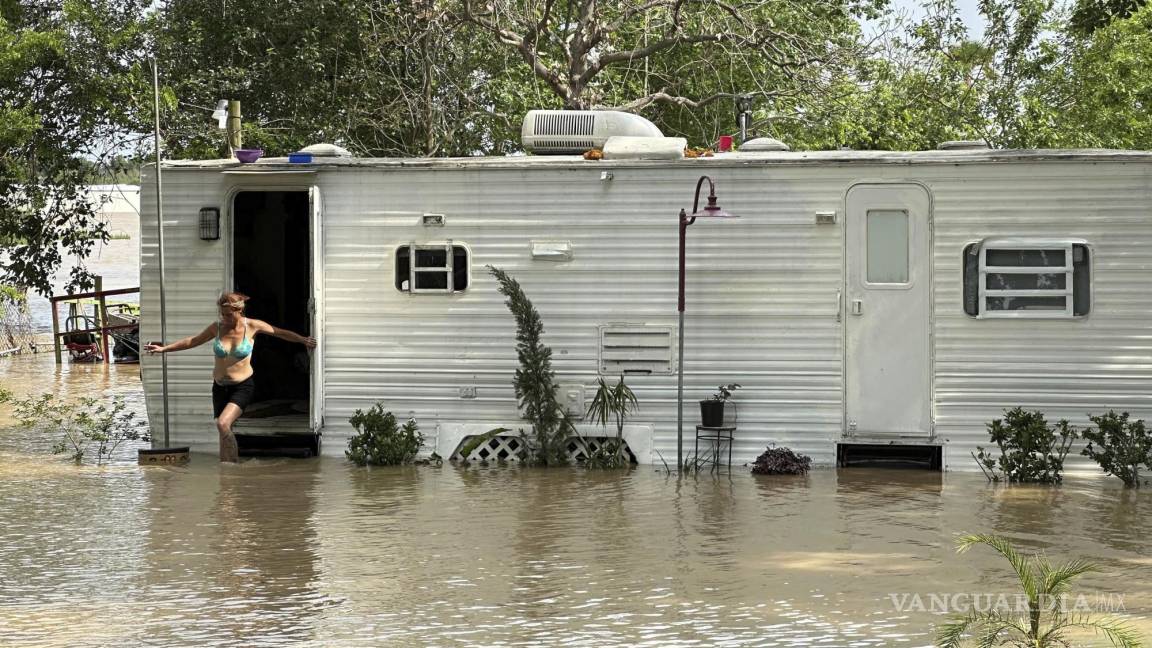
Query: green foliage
(1119, 446)
(69, 90)
(725, 392)
(1031, 451)
(379, 441)
(611, 403)
(380, 78)
(534, 379)
(1044, 623)
(82, 425)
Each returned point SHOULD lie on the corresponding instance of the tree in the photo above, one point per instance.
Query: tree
(1100, 89)
(1090, 15)
(68, 84)
(681, 62)
(382, 78)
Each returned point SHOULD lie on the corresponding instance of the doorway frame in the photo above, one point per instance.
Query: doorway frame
(930, 320)
(316, 387)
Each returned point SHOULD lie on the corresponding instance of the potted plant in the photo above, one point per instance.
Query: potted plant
(712, 409)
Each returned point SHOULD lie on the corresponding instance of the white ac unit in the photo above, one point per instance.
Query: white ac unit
(553, 132)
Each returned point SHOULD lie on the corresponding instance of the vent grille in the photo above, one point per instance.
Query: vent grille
(635, 349)
(564, 124)
(565, 145)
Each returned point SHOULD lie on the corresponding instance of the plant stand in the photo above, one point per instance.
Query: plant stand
(717, 437)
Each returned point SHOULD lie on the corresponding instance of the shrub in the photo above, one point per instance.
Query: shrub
(1120, 446)
(82, 425)
(378, 441)
(535, 389)
(781, 461)
(1031, 451)
(611, 403)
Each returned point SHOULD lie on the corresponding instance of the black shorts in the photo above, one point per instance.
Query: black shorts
(240, 393)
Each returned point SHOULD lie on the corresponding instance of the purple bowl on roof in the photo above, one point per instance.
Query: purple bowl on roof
(248, 156)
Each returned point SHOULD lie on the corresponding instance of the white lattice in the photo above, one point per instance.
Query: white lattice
(580, 447)
(498, 448)
(512, 448)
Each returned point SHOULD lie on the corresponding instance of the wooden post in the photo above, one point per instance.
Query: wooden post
(56, 330)
(235, 140)
(102, 318)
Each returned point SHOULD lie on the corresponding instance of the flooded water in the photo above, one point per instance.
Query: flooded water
(320, 553)
(117, 261)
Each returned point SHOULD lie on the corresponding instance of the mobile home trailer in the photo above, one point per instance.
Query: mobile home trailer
(861, 299)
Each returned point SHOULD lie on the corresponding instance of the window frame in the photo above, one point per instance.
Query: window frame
(449, 247)
(1068, 292)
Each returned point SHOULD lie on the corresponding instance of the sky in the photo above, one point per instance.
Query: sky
(968, 12)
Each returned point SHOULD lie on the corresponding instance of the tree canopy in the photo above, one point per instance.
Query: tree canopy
(69, 79)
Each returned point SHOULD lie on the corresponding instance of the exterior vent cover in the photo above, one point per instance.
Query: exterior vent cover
(326, 150)
(575, 131)
(635, 349)
(763, 144)
(962, 145)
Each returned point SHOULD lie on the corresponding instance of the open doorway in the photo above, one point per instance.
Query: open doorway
(271, 263)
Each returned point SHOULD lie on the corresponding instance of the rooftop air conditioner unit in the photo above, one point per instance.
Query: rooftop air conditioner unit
(554, 132)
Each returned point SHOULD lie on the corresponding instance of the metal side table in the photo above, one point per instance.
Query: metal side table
(717, 436)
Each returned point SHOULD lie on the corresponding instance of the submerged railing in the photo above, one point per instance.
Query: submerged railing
(103, 325)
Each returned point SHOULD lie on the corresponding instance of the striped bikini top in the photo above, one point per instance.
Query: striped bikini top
(240, 351)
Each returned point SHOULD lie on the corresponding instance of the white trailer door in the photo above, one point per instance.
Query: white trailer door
(316, 310)
(887, 300)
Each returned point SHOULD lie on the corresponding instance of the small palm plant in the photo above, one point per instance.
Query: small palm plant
(1045, 624)
(611, 403)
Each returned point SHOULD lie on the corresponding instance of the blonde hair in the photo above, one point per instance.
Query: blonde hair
(233, 300)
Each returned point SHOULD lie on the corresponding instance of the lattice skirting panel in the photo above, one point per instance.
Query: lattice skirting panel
(512, 448)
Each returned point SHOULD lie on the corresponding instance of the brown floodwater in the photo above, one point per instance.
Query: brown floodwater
(282, 552)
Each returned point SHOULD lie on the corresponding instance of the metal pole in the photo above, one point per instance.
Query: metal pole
(680, 355)
(160, 254)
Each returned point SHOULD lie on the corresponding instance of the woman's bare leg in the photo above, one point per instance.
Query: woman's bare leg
(229, 450)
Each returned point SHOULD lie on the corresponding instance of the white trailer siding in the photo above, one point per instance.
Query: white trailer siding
(761, 290)
(1065, 368)
(771, 271)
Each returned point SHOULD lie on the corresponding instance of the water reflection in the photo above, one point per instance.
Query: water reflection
(233, 550)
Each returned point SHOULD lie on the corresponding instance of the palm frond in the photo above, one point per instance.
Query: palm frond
(1118, 631)
(1057, 580)
(987, 626)
(1021, 564)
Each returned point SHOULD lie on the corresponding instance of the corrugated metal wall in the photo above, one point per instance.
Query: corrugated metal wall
(761, 292)
(1065, 368)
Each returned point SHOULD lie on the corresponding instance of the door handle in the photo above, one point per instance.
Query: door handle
(857, 307)
(839, 304)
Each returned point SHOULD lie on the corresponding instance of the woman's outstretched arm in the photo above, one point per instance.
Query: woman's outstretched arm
(284, 334)
(208, 333)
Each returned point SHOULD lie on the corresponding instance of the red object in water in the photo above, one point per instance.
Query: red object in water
(725, 143)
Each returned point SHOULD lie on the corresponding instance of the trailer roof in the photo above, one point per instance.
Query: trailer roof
(782, 158)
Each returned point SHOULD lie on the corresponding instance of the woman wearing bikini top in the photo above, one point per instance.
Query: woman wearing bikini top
(233, 383)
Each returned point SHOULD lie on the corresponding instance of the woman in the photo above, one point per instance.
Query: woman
(233, 383)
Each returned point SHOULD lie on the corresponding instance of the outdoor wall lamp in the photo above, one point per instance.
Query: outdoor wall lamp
(209, 223)
(711, 210)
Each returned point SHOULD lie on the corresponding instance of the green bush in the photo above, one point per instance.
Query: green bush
(534, 382)
(379, 442)
(1031, 451)
(82, 425)
(1119, 446)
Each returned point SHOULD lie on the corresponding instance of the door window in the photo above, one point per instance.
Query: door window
(887, 246)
